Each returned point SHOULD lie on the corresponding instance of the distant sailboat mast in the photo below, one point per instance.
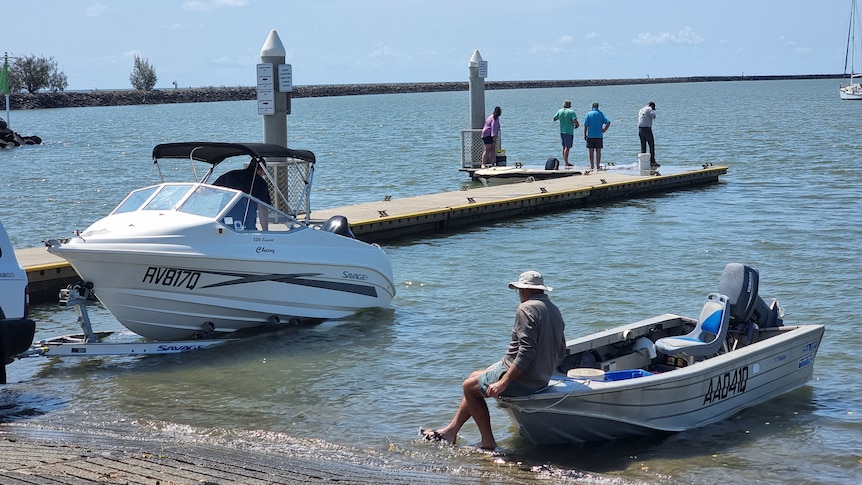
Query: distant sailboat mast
(851, 41)
(850, 85)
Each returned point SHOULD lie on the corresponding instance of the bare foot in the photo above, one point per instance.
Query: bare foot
(434, 435)
(488, 447)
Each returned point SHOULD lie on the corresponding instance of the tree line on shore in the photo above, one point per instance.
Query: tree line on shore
(33, 74)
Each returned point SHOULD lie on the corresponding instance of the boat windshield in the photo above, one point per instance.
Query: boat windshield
(233, 208)
(168, 197)
(207, 201)
(133, 201)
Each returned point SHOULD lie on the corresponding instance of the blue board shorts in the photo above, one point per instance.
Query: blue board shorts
(568, 139)
(493, 374)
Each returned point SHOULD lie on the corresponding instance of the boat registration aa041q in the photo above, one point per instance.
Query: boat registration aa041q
(727, 385)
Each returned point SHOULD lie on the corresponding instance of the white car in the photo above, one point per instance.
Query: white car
(16, 328)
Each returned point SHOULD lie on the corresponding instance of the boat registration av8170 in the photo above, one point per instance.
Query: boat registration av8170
(172, 277)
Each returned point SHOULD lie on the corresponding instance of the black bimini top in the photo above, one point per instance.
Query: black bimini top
(215, 152)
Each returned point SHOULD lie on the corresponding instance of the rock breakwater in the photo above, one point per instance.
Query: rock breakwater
(71, 99)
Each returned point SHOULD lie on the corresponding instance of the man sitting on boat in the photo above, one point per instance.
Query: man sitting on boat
(250, 180)
(537, 347)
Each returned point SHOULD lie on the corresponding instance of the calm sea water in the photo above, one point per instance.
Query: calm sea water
(789, 205)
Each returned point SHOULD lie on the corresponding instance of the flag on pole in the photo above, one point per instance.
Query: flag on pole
(4, 77)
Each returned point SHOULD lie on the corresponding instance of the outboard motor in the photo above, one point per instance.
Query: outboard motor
(338, 225)
(740, 284)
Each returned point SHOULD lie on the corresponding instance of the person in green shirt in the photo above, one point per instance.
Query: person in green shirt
(568, 123)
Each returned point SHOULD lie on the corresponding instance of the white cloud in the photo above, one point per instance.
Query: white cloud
(384, 52)
(796, 48)
(97, 10)
(561, 46)
(205, 5)
(685, 36)
(537, 49)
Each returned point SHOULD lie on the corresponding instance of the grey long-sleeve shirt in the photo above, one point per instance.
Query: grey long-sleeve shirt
(538, 342)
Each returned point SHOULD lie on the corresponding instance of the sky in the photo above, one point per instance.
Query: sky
(217, 43)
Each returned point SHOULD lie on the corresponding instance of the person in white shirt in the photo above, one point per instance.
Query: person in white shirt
(645, 118)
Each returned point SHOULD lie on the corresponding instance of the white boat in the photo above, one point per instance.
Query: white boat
(852, 89)
(851, 84)
(671, 373)
(519, 173)
(181, 259)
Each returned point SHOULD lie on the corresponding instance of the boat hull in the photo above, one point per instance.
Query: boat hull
(576, 410)
(852, 92)
(506, 175)
(199, 280)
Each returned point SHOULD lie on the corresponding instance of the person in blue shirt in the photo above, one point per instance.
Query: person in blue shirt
(595, 126)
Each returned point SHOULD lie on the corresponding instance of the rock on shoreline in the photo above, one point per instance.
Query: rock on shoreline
(71, 99)
(11, 139)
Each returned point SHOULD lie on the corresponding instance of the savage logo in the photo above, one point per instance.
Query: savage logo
(179, 348)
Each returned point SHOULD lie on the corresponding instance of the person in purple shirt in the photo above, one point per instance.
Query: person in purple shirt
(490, 133)
(595, 126)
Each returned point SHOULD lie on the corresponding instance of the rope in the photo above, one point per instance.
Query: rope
(552, 405)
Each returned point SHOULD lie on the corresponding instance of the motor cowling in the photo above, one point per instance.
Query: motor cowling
(740, 283)
(338, 225)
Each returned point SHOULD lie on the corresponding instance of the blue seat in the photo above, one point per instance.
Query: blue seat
(709, 334)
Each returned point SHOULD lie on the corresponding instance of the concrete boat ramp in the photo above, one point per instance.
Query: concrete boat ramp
(390, 219)
(41, 457)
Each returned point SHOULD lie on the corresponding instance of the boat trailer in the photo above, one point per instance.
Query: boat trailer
(92, 343)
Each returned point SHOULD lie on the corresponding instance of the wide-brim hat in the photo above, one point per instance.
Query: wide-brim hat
(532, 280)
(567, 103)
